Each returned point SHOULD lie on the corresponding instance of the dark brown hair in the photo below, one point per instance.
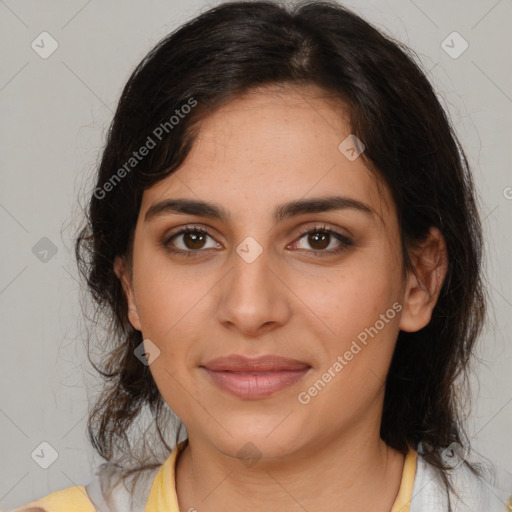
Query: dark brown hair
(220, 55)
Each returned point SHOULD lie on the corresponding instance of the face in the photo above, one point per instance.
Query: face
(296, 256)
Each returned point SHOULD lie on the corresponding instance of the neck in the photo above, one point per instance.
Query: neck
(358, 472)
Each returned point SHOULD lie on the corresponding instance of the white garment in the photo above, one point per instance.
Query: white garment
(109, 493)
(474, 494)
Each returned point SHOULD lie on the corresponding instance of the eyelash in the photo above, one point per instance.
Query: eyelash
(345, 242)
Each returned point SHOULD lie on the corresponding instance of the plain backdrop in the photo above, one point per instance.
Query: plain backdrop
(55, 113)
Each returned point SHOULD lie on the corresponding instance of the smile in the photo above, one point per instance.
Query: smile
(255, 378)
(255, 385)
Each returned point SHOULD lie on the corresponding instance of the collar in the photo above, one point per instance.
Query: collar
(163, 491)
(403, 499)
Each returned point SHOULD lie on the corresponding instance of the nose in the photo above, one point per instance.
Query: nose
(254, 300)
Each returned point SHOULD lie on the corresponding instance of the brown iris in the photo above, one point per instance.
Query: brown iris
(319, 239)
(194, 239)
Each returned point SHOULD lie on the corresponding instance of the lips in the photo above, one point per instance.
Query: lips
(252, 378)
(236, 363)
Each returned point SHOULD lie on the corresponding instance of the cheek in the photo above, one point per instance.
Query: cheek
(173, 312)
(357, 307)
(352, 299)
(169, 309)
(165, 296)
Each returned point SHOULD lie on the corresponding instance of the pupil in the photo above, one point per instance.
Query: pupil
(196, 240)
(319, 238)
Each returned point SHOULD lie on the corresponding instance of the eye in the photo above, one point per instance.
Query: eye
(322, 241)
(190, 240)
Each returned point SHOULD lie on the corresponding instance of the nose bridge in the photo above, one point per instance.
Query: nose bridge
(252, 295)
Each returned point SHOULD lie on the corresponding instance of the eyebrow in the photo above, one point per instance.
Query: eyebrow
(281, 212)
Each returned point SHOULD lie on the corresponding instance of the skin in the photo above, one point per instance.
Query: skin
(261, 150)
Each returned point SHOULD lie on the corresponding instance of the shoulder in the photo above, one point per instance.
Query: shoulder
(472, 493)
(72, 498)
(112, 492)
(107, 491)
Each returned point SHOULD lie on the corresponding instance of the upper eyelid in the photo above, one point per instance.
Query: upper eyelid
(323, 227)
(189, 227)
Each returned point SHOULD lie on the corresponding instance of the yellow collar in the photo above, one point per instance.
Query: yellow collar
(403, 499)
(163, 491)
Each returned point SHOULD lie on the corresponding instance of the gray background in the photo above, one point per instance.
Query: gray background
(55, 113)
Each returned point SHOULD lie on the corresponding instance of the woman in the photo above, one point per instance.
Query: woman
(284, 238)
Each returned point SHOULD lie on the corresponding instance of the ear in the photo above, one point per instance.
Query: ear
(424, 284)
(124, 275)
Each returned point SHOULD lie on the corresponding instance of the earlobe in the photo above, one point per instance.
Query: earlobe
(123, 274)
(424, 284)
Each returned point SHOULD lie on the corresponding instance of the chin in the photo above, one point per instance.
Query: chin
(259, 437)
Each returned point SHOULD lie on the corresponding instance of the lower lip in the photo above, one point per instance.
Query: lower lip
(255, 385)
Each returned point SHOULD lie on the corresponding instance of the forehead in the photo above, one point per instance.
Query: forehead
(272, 145)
